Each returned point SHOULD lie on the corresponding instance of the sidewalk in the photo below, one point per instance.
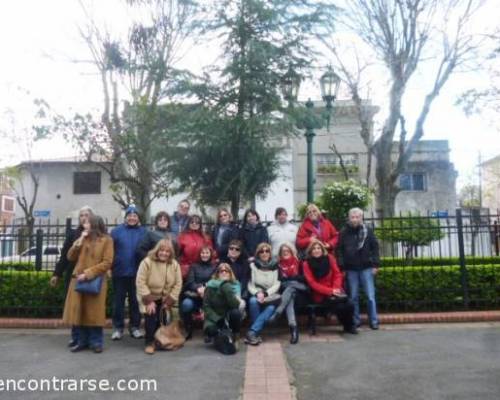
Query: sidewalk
(400, 318)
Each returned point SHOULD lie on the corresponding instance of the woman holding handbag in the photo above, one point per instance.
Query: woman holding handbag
(85, 305)
(159, 284)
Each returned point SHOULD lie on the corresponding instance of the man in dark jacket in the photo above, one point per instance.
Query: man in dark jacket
(65, 267)
(180, 218)
(126, 238)
(358, 257)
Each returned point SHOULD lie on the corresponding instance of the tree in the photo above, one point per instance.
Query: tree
(235, 139)
(132, 138)
(405, 37)
(411, 231)
(469, 196)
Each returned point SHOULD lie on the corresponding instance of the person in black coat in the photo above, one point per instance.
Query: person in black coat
(194, 288)
(252, 232)
(224, 231)
(358, 257)
(64, 267)
(162, 230)
(237, 259)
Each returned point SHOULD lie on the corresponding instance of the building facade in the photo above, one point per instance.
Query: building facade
(490, 184)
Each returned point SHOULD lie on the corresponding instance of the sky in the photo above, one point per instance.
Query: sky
(44, 56)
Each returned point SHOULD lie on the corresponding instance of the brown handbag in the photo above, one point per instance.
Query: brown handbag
(169, 336)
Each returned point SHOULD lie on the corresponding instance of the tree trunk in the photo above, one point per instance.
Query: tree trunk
(235, 205)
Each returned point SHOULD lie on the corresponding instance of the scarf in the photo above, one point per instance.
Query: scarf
(320, 266)
(361, 234)
(270, 265)
(289, 267)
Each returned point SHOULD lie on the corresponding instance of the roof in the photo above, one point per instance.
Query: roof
(66, 160)
(493, 160)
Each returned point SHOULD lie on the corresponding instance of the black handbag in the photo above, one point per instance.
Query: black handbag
(224, 341)
(92, 286)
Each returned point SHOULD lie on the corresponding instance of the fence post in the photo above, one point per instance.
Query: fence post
(496, 237)
(461, 251)
(39, 246)
(67, 233)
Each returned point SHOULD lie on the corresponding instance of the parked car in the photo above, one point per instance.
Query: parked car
(50, 256)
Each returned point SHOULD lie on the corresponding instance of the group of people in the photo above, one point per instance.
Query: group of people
(218, 277)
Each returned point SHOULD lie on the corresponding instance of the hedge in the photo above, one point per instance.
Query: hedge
(28, 294)
(17, 266)
(428, 261)
(408, 288)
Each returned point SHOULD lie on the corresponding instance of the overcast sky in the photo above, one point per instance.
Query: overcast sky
(39, 40)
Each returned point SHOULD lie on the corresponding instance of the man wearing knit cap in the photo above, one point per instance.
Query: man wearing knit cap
(126, 237)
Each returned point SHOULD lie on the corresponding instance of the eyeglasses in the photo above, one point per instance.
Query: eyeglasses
(265, 251)
(234, 248)
(223, 271)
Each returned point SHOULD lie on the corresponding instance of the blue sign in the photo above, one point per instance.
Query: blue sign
(440, 214)
(41, 213)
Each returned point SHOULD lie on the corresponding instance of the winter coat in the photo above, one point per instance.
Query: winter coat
(218, 300)
(281, 233)
(178, 224)
(241, 270)
(156, 280)
(263, 280)
(190, 244)
(349, 257)
(323, 288)
(230, 233)
(199, 275)
(126, 238)
(252, 236)
(93, 258)
(150, 239)
(64, 266)
(326, 233)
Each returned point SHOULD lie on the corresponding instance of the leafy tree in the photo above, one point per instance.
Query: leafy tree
(469, 196)
(411, 231)
(236, 137)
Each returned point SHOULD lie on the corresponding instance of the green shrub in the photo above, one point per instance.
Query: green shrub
(28, 294)
(17, 266)
(428, 261)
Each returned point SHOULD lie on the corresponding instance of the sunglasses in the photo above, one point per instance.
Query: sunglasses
(264, 251)
(234, 248)
(223, 271)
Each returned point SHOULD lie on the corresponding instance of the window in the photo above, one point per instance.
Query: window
(8, 204)
(412, 182)
(332, 159)
(87, 183)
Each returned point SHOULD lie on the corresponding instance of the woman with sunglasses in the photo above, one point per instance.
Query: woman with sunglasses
(237, 259)
(221, 304)
(316, 227)
(263, 288)
(224, 231)
(190, 242)
(194, 289)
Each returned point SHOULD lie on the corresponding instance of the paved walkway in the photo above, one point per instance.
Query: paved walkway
(417, 361)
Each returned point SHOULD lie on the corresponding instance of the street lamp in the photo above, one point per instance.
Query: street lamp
(309, 121)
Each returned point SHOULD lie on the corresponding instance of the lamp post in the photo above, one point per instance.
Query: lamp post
(309, 121)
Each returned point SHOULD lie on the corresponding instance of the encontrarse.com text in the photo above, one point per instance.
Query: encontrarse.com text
(55, 384)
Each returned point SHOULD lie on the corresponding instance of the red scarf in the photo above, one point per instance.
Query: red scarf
(289, 267)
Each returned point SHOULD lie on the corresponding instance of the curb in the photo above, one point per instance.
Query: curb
(401, 318)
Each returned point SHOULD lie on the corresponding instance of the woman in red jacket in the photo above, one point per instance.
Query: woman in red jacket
(316, 227)
(190, 243)
(326, 282)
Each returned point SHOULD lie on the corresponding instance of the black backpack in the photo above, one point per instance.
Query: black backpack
(224, 340)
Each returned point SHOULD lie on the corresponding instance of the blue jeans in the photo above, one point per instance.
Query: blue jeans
(189, 305)
(75, 332)
(91, 336)
(365, 278)
(259, 316)
(124, 286)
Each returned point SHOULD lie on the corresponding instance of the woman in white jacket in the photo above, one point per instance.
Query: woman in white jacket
(263, 287)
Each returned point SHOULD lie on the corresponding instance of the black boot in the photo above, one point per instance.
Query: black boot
(294, 334)
(188, 327)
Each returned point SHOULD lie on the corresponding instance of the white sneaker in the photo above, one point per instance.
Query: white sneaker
(116, 335)
(136, 333)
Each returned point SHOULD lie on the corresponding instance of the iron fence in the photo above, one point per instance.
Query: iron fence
(428, 263)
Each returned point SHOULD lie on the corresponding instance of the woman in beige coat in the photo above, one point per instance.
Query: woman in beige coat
(93, 254)
(159, 283)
